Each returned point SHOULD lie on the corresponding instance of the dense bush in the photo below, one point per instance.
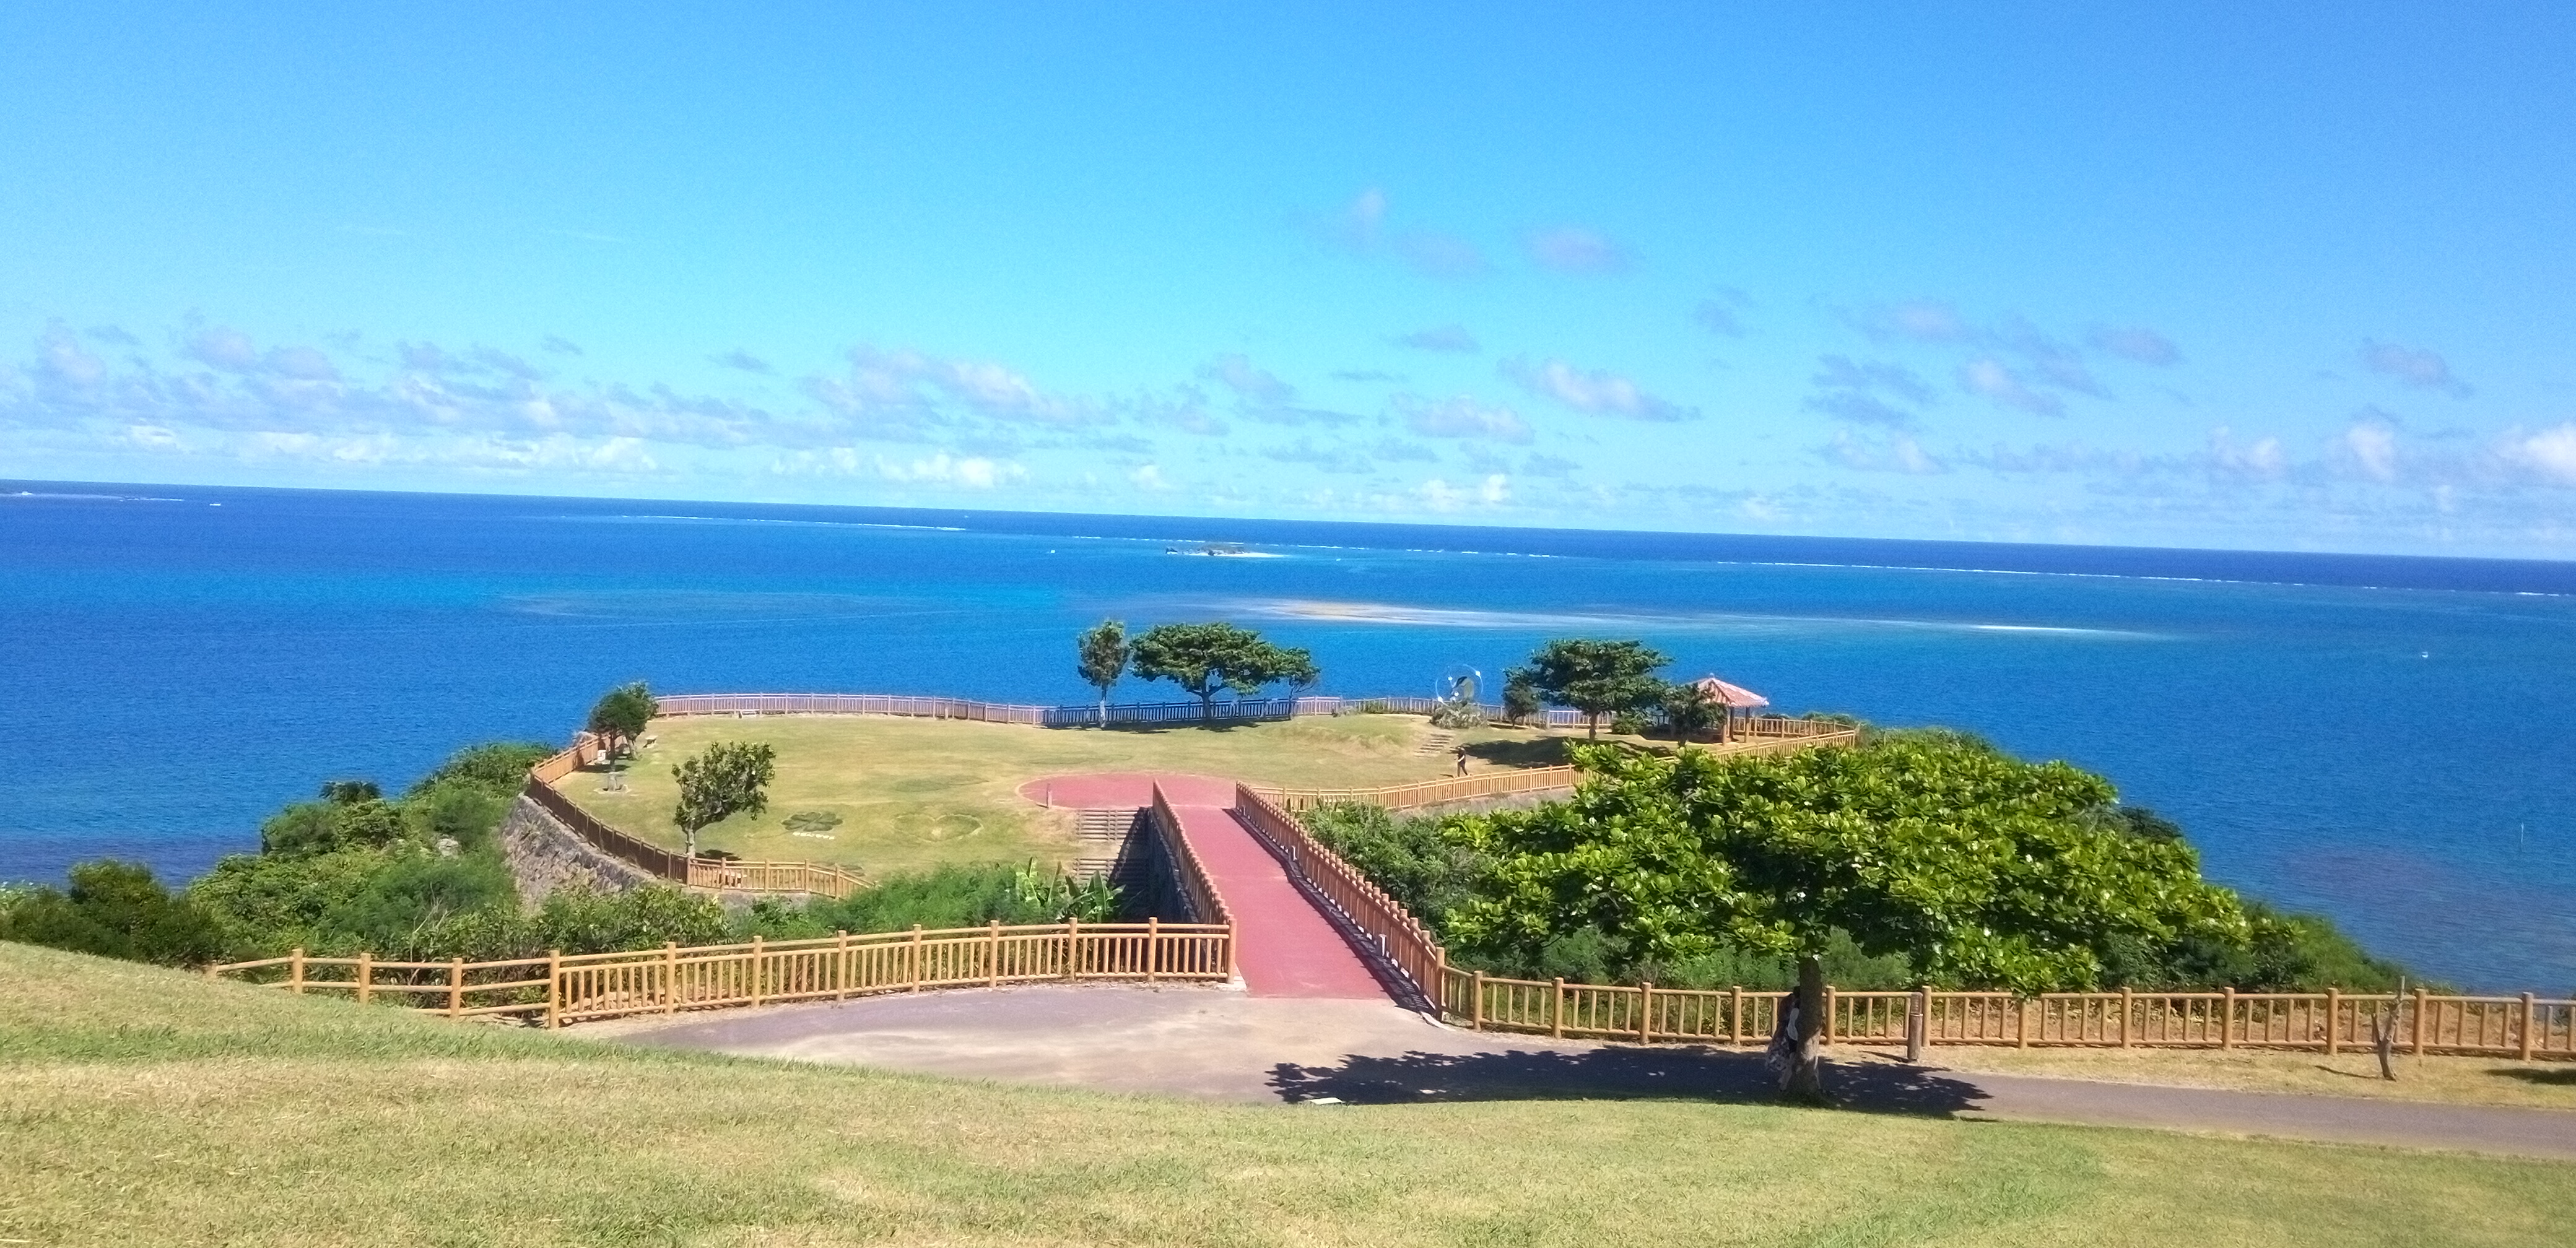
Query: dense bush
(1433, 866)
(421, 877)
(946, 897)
(115, 909)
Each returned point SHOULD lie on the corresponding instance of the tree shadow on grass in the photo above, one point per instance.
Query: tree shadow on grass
(1537, 752)
(1613, 1073)
(2564, 1077)
(1178, 725)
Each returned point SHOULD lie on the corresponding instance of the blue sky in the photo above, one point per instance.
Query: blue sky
(2157, 274)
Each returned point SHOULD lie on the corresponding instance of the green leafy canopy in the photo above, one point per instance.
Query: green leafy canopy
(1595, 677)
(1982, 869)
(726, 778)
(1203, 658)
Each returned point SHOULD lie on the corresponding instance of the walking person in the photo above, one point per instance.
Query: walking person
(1462, 760)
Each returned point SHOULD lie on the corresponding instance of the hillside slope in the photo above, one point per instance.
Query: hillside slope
(149, 1106)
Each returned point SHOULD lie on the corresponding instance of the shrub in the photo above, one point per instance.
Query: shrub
(410, 894)
(117, 910)
(501, 766)
(948, 897)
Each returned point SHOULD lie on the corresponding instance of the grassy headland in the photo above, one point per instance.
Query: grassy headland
(149, 1106)
(911, 794)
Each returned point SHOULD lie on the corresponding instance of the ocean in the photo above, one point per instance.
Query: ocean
(2387, 741)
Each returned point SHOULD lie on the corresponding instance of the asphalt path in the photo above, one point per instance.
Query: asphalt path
(1229, 1045)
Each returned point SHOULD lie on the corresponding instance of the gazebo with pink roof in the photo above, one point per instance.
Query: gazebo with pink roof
(1733, 697)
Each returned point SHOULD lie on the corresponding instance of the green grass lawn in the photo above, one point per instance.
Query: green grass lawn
(916, 793)
(141, 1106)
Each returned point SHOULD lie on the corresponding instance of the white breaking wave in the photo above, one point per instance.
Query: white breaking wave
(1322, 611)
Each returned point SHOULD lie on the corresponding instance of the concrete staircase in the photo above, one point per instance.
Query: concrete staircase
(1437, 743)
(1114, 842)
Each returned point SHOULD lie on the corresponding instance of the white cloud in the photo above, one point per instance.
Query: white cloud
(2262, 457)
(1597, 391)
(1898, 453)
(2412, 366)
(1988, 377)
(1916, 320)
(2373, 446)
(1496, 490)
(971, 472)
(1462, 417)
(1235, 372)
(1574, 249)
(1148, 477)
(2549, 454)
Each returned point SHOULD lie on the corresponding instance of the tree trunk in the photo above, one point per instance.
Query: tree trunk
(1592, 726)
(1796, 1056)
(1104, 706)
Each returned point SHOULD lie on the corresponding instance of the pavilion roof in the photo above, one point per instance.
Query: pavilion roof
(1730, 695)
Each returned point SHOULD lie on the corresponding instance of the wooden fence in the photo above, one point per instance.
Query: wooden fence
(1361, 905)
(1495, 783)
(1206, 905)
(2523, 1027)
(818, 878)
(568, 988)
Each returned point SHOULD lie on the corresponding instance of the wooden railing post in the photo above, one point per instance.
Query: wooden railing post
(1476, 1004)
(993, 956)
(1735, 1014)
(841, 964)
(2227, 1017)
(1556, 1011)
(912, 959)
(2527, 1016)
(756, 952)
(554, 988)
(2021, 1015)
(670, 977)
(295, 977)
(2419, 1020)
(1073, 948)
(366, 976)
(1153, 944)
(1828, 1037)
(2127, 1008)
(455, 986)
(2334, 1021)
(1645, 1011)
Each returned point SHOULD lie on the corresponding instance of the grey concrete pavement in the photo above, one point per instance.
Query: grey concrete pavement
(1222, 1044)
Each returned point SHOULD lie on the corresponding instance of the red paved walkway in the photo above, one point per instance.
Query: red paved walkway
(1286, 947)
(1128, 789)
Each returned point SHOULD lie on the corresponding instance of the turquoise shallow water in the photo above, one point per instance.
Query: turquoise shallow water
(2389, 741)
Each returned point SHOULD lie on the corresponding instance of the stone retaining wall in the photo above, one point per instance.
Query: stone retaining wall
(544, 855)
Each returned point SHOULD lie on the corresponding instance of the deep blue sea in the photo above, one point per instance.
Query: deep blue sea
(2390, 741)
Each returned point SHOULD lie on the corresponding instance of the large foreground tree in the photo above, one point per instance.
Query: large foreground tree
(1595, 677)
(1981, 869)
(1204, 658)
